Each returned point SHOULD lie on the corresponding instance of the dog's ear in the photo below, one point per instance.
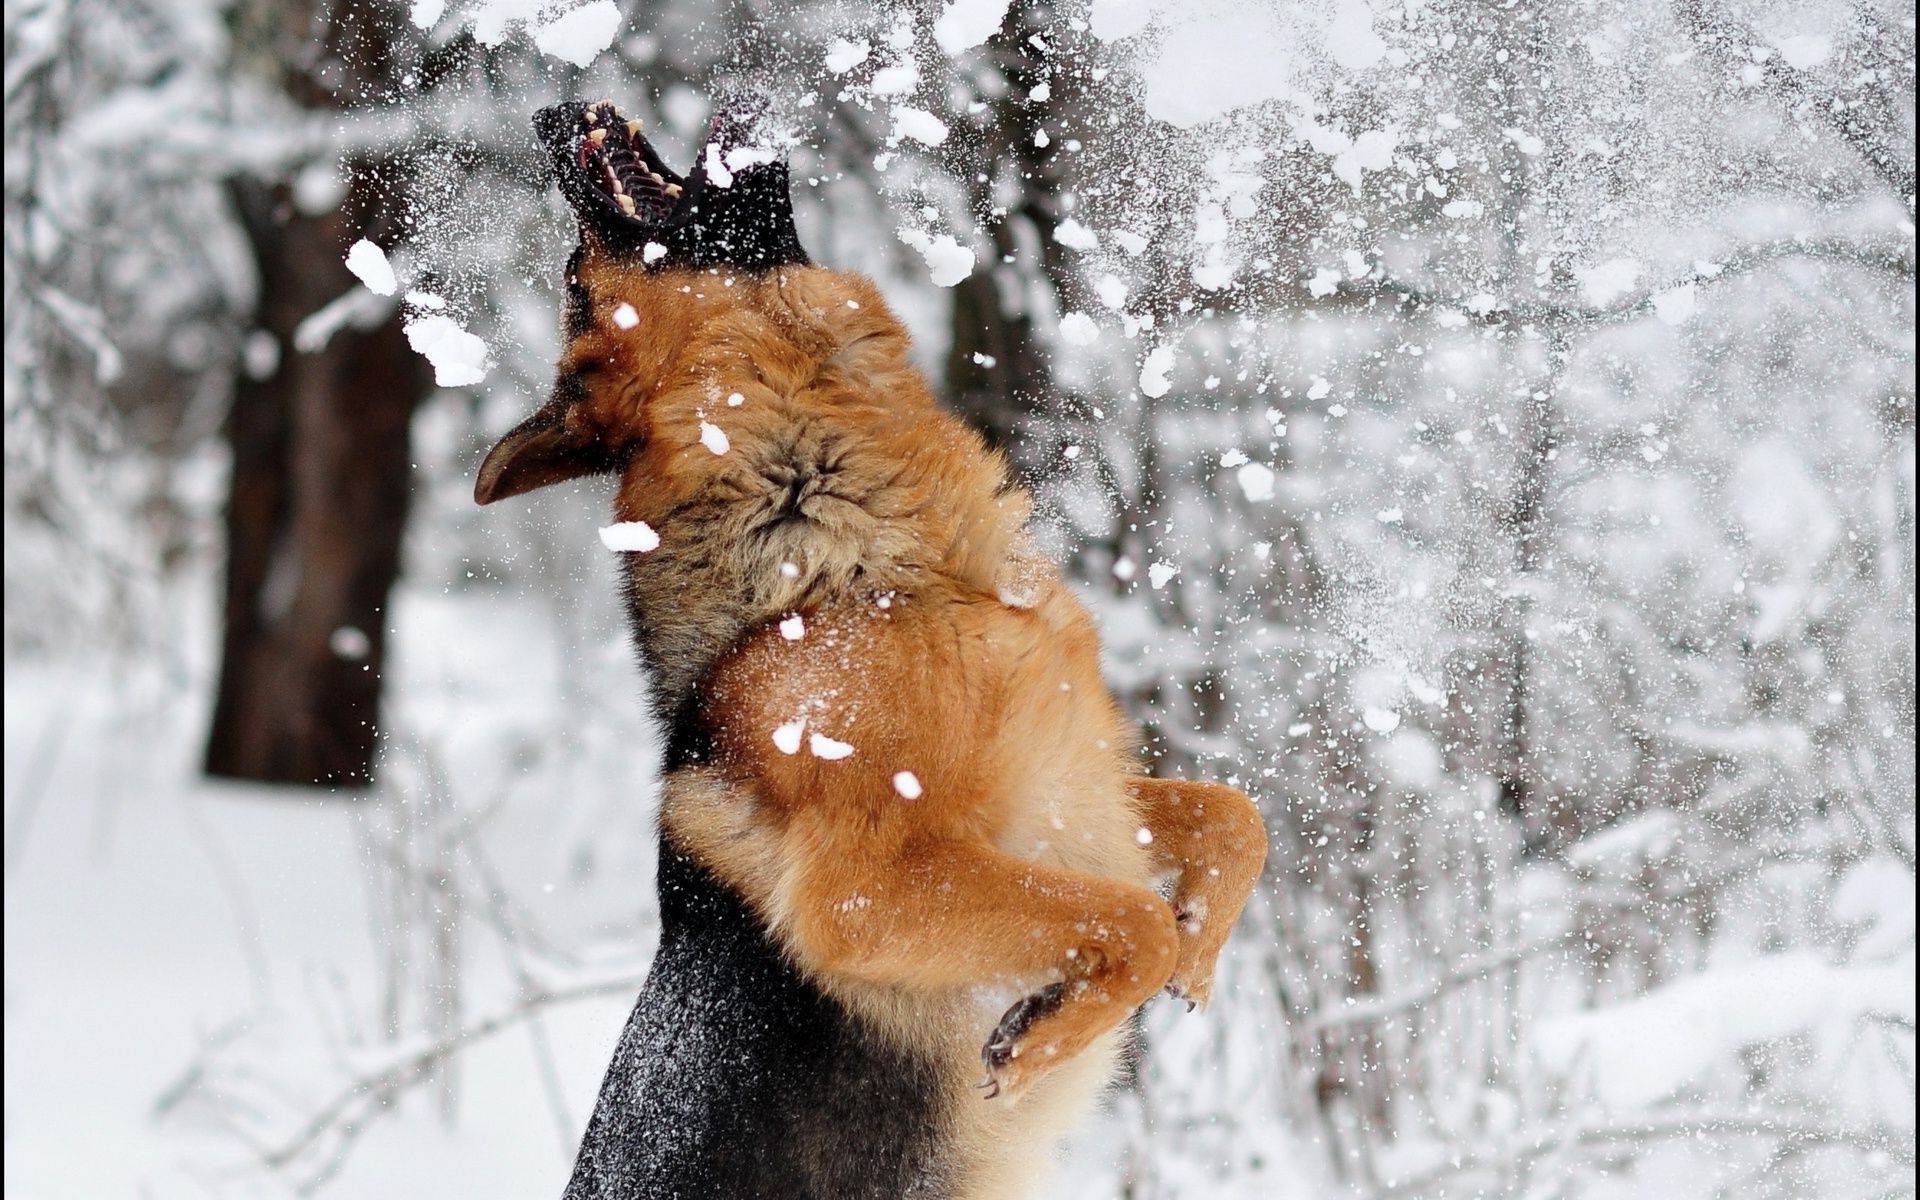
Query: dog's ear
(540, 450)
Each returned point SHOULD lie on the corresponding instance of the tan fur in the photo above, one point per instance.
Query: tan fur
(935, 642)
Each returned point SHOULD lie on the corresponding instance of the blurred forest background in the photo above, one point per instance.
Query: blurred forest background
(1485, 432)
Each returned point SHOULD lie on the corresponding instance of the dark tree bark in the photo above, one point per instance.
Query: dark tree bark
(318, 499)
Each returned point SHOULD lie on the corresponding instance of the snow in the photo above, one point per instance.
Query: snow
(900, 79)
(636, 537)
(907, 785)
(793, 628)
(787, 737)
(822, 746)
(369, 265)
(1603, 283)
(652, 253)
(1256, 481)
(844, 55)
(919, 125)
(624, 317)
(581, 35)
(1160, 574)
(1153, 372)
(425, 14)
(1078, 329)
(1075, 236)
(964, 24)
(459, 358)
(1676, 306)
(948, 262)
(1643, 1050)
(714, 438)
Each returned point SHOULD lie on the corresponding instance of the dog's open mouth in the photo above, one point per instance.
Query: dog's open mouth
(731, 208)
(617, 159)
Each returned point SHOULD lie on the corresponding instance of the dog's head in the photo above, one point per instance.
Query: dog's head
(661, 255)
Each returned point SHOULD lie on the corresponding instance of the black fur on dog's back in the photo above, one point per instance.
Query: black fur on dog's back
(736, 1079)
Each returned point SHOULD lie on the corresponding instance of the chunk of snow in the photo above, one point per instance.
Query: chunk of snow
(793, 628)
(1381, 720)
(825, 747)
(425, 14)
(967, 23)
(1256, 481)
(652, 253)
(1804, 51)
(919, 125)
(898, 80)
(1078, 329)
(1075, 236)
(579, 36)
(1603, 283)
(714, 438)
(1134, 244)
(844, 55)
(1676, 306)
(716, 167)
(1153, 372)
(1351, 39)
(369, 265)
(908, 785)
(629, 537)
(1463, 209)
(1110, 292)
(459, 358)
(787, 737)
(1159, 574)
(350, 642)
(1325, 282)
(1319, 389)
(948, 262)
(624, 316)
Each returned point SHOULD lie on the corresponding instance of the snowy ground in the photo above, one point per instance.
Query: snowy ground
(194, 969)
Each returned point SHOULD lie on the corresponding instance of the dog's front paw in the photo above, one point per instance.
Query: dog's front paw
(1010, 1068)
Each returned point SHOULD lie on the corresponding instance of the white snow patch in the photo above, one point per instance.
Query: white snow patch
(793, 628)
(369, 265)
(714, 438)
(1160, 574)
(652, 253)
(908, 785)
(919, 125)
(1603, 283)
(425, 14)
(629, 537)
(844, 55)
(1380, 720)
(786, 738)
(898, 80)
(1075, 236)
(1256, 481)
(579, 36)
(948, 262)
(624, 316)
(1676, 306)
(967, 23)
(1351, 40)
(1079, 329)
(825, 747)
(1153, 372)
(1111, 292)
(459, 358)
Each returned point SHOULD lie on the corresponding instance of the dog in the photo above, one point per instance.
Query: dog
(906, 841)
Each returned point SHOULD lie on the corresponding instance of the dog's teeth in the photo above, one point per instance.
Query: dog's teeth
(633, 127)
(597, 137)
(673, 189)
(625, 202)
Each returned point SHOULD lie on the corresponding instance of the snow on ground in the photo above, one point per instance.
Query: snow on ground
(151, 914)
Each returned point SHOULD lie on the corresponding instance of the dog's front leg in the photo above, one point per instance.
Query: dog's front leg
(1212, 836)
(944, 914)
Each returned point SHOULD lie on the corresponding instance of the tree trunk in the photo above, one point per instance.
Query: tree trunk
(317, 507)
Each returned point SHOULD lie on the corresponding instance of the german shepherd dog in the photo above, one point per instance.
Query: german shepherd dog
(906, 839)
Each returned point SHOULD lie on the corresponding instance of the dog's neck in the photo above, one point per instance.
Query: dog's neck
(824, 474)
